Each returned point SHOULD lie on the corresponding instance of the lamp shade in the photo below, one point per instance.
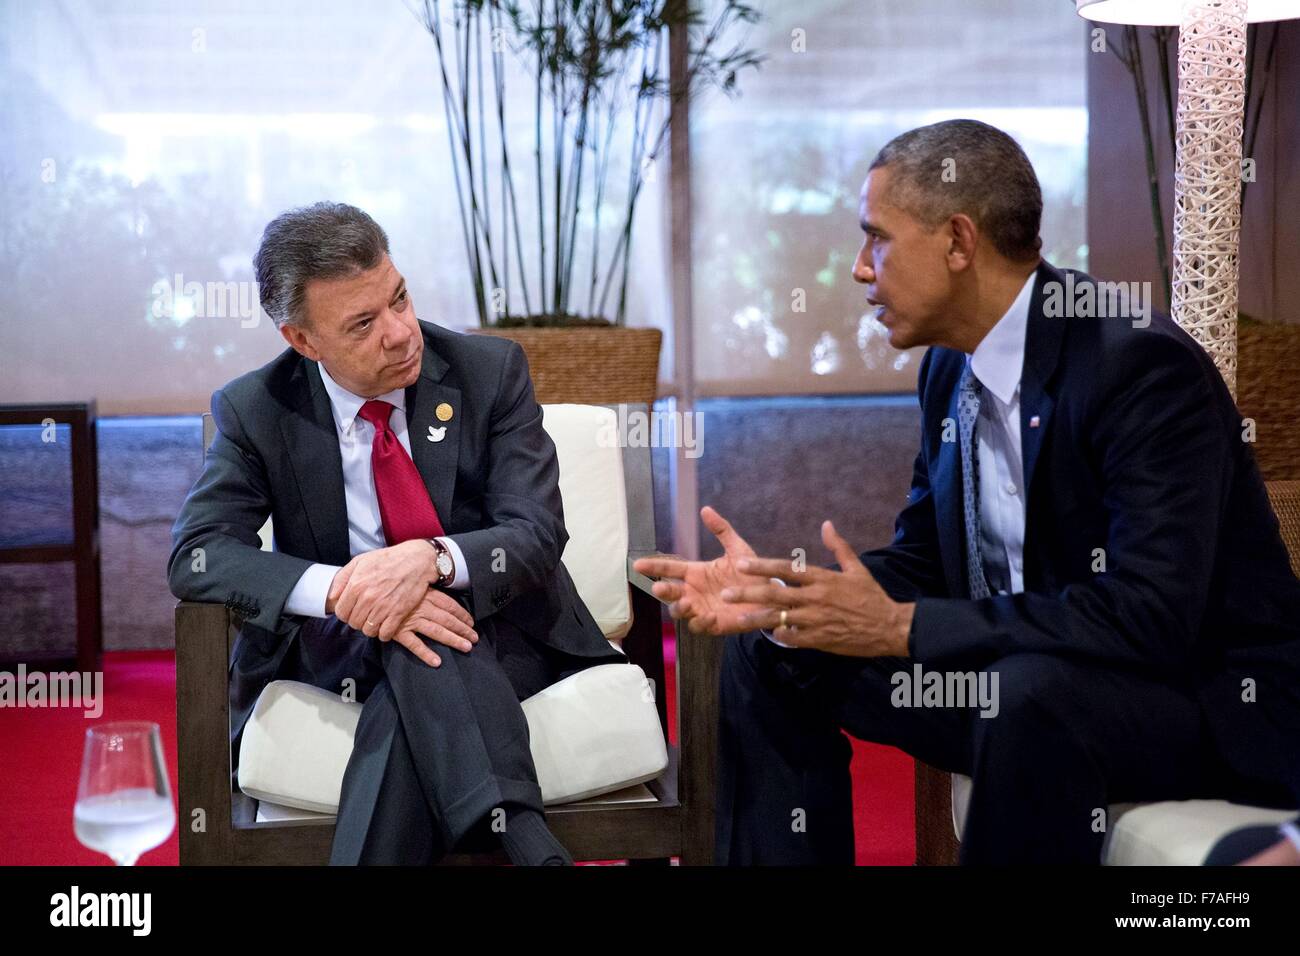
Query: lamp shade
(1169, 13)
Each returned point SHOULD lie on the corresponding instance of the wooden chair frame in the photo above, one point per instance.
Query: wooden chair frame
(217, 821)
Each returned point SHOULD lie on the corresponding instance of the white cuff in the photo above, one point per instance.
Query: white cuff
(312, 590)
(460, 581)
(1291, 832)
(768, 634)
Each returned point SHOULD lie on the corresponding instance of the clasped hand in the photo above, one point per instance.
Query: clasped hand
(386, 594)
(843, 612)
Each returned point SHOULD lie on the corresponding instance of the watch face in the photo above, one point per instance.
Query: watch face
(444, 564)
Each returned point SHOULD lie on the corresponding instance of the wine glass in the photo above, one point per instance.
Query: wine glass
(124, 801)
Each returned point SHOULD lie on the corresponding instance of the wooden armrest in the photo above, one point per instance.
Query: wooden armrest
(202, 609)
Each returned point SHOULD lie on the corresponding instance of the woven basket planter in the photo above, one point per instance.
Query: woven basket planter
(604, 365)
(1268, 390)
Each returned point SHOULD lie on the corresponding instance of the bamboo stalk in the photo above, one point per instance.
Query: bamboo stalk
(625, 233)
(1153, 173)
(434, 24)
(558, 126)
(482, 230)
(590, 77)
(507, 174)
(483, 157)
(1162, 36)
(1259, 104)
(602, 173)
(537, 153)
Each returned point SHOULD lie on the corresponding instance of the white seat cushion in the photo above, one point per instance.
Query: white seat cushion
(296, 746)
(595, 510)
(1168, 833)
(1178, 832)
(594, 732)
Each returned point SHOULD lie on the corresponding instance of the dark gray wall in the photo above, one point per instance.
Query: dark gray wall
(775, 467)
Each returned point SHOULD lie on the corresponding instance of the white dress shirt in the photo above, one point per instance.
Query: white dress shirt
(365, 526)
(997, 362)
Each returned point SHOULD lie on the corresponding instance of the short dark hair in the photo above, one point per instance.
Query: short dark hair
(322, 241)
(994, 182)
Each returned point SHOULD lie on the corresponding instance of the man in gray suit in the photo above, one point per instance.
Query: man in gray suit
(415, 503)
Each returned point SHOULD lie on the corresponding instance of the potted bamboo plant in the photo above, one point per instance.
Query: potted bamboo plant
(557, 113)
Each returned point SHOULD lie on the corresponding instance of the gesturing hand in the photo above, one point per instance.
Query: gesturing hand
(695, 587)
(376, 591)
(438, 617)
(843, 612)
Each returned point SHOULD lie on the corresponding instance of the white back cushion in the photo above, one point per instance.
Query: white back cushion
(595, 510)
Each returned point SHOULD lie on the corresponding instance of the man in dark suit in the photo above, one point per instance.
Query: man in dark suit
(1087, 552)
(415, 502)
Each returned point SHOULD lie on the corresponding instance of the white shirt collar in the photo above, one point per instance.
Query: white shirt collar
(1000, 357)
(346, 404)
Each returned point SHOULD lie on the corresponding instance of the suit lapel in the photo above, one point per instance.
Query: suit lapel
(435, 460)
(311, 440)
(1043, 338)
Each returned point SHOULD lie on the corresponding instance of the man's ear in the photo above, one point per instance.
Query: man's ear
(962, 236)
(299, 341)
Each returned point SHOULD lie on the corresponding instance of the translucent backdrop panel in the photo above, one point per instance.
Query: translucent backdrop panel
(778, 171)
(144, 144)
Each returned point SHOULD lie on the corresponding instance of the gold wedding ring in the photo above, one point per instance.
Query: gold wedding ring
(783, 612)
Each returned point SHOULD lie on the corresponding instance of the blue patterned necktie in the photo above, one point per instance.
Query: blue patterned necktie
(968, 407)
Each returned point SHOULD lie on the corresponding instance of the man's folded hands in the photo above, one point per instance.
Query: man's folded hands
(386, 594)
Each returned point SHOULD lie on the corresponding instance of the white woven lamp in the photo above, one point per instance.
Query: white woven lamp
(1207, 165)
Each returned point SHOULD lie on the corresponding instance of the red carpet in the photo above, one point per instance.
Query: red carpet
(40, 751)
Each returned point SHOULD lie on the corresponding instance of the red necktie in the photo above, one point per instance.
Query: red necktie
(404, 505)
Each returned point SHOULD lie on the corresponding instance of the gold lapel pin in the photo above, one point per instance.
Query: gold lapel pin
(443, 412)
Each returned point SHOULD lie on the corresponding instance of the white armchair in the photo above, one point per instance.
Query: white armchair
(614, 789)
(595, 732)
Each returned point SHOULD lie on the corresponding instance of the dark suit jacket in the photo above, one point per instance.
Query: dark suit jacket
(1138, 451)
(493, 478)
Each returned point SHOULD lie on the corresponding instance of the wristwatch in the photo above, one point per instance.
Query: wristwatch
(446, 566)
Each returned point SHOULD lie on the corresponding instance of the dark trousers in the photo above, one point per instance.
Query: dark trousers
(437, 750)
(1243, 843)
(1068, 739)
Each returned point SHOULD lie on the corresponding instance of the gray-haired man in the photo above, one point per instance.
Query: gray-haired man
(415, 501)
